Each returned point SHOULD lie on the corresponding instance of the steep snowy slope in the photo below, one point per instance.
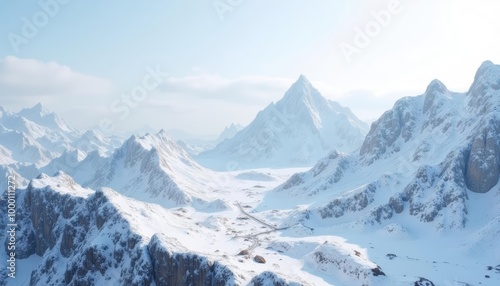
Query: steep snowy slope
(429, 164)
(82, 237)
(153, 168)
(21, 147)
(296, 131)
(422, 161)
(69, 235)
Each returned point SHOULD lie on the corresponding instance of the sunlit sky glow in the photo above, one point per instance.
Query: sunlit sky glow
(217, 71)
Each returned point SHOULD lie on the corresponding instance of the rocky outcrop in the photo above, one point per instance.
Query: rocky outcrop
(437, 116)
(64, 227)
(170, 268)
(437, 190)
(345, 262)
(269, 278)
(483, 165)
(436, 194)
(84, 238)
(351, 203)
(434, 90)
(484, 90)
(399, 122)
(328, 171)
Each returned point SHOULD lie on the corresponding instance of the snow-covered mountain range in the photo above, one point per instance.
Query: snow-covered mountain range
(429, 164)
(438, 147)
(414, 202)
(34, 137)
(153, 168)
(295, 131)
(195, 147)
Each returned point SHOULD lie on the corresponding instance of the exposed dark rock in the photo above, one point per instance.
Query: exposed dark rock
(397, 204)
(292, 181)
(268, 278)
(244, 252)
(67, 241)
(171, 268)
(423, 282)
(393, 124)
(259, 259)
(391, 256)
(483, 166)
(382, 213)
(377, 271)
(356, 202)
(126, 260)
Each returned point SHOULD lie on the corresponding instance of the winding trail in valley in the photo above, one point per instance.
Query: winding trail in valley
(255, 237)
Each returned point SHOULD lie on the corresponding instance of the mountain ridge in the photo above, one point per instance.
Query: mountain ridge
(437, 147)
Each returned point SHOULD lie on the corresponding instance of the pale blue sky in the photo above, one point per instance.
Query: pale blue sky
(89, 53)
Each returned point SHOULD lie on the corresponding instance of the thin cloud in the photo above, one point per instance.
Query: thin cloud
(27, 81)
(244, 90)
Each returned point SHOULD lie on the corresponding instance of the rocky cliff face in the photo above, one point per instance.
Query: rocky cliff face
(84, 238)
(397, 123)
(435, 194)
(171, 268)
(436, 148)
(483, 166)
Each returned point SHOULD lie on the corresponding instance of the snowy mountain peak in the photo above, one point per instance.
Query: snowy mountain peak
(37, 111)
(436, 86)
(486, 65)
(229, 132)
(40, 115)
(76, 154)
(162, 133)
(154, 168)
(303, 80)
(435, 89)
(487, 74)
(301, 91)
(296, 131)
(231, 127)
(483, 93)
